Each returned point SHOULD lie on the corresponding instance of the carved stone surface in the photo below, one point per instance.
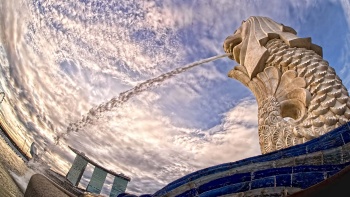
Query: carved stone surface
(299, 95)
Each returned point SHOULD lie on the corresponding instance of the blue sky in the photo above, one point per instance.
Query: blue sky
(59, 59)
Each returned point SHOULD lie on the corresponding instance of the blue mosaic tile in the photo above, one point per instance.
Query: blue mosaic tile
(188, 193)
(322, 168)
(122, 195)
(170, 187)
(329, 140)
(161, 192)
(224, 181)
(284, 180)
(331, 173)
(183, 180)
(199, 174)
(230, 189)
(126, 195)
(244, 161)
(268, 157)
(328, 136)
(309, 159)
(346, 136)
(191, 175)
(271, 172)
(332, 156)
(306, 179)
(326, 143)
(339, 130)
(213, 171)
(346, 152)
(292, 152)
(342, 129)
(264, 182)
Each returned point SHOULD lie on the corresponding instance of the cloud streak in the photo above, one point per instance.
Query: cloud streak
(60, 59)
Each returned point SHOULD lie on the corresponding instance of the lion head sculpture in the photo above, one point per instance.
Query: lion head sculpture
(247, 43)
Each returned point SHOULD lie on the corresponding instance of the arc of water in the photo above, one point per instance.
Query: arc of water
(125, 96)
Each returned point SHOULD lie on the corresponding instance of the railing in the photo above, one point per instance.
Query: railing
(18, 138)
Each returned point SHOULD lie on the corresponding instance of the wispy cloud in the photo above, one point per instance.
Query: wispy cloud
(146, 146)
(345, 58)
(60, 59)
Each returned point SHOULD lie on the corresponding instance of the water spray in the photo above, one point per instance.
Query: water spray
(125, 96)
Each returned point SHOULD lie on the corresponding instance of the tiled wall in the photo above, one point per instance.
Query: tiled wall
(297, 167)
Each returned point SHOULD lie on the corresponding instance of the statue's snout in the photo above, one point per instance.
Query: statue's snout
(230, 43)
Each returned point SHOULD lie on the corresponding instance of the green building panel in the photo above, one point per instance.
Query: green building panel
(119, 186)
(76, 171)
(97, 180)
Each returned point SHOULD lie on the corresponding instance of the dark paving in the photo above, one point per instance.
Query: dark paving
(8, 187)
(39, 185)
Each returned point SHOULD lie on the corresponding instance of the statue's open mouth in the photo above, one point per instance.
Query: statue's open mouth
(232, 45)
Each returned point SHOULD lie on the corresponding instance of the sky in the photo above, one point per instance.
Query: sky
(60, 59)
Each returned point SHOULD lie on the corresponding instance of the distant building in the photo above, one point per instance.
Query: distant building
(98, 176)
(33, 150)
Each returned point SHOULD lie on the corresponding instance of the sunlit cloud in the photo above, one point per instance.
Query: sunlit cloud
(59, 59)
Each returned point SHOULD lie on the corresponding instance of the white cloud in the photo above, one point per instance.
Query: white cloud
(147, 147)
(345, 59)
(61, 58)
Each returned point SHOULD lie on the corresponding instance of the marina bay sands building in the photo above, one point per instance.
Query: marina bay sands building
(98, 176)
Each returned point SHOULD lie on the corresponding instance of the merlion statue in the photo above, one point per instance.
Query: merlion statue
(299, 95)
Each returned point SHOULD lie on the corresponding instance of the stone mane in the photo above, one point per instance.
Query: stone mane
(252, 37)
